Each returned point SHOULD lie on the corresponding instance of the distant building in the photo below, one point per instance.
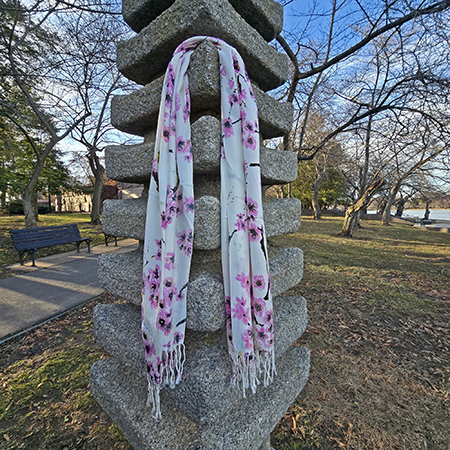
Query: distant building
(129, 190)
(72, 202)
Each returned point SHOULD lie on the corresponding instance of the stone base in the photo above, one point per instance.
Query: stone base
(205, 395)
(122, 394)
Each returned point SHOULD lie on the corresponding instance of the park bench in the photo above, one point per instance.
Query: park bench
(30, 239)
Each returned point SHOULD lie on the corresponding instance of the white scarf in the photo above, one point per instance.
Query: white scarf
(169, 230)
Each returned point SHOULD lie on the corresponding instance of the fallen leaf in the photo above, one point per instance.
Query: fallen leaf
(349, 431)
(294, 426)
(337, 440)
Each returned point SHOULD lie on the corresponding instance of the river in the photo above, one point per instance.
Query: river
(442, 214)
(438, 214)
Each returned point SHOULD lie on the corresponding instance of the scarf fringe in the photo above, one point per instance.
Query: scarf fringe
(170, 374)
(247, 367)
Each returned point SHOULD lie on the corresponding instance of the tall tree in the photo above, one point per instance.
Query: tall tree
(93, 38)
(31, 50)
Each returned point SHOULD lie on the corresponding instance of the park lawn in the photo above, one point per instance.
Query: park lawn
(379, 335)
(9, 255)
(379, 307)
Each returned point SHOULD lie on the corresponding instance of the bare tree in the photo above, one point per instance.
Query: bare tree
(415, 154)
(53, 70)
(30, 51)
(370, 86)
(93, 38)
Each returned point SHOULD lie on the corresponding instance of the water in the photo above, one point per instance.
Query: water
(439, 214)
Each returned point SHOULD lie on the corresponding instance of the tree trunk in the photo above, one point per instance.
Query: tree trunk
(400, 207)
(386, 217)
(3, 199)
(315, 195)
(351, 211)
(96, 197)
(427, 211)
(27, 197)
(27, 202)
(99, 171)
(315, 203)
(35, 208)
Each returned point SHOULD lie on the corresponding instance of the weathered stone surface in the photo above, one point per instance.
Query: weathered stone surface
(259, 414)
(266, 444)
(275, 118)
(139, 13)
(129, 163)
(205, 394)
(277, 167)
(117, 329)
(126, 218)
(266, 16)
(132, 163)
(121, 274)
(206, 225)
(205, 292)
(145, 56)
(122, 217)
(122, 395)
(137, 112)
(281, 215)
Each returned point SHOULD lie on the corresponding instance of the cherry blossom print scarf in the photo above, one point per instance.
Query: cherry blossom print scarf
(169, 230)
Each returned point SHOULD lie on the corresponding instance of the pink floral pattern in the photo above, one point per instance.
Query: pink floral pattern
(169, 231)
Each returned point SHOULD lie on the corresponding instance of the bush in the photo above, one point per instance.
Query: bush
(43, 209)
(15, 207)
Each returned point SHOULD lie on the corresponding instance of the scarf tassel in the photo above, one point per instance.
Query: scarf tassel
(170, 374)
(247, 368)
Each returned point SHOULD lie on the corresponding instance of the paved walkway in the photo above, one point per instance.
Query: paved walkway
(59, 282)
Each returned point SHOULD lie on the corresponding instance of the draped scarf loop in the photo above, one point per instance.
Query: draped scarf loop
(169, 230)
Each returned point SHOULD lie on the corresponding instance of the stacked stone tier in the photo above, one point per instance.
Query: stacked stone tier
(265, 16)
(137, 113)
(126, 218)
(132, 163)
(144, 57)
(121, 274)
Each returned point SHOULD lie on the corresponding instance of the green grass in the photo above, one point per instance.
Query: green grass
(379, 335)
(395, 263)
(9, 255)
(45, 401)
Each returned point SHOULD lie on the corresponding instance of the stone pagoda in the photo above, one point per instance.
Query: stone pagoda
(202, 412)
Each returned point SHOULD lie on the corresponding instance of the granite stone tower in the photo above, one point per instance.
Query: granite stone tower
(202, 412)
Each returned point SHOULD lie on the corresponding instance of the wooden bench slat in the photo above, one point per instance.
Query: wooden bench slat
(55, 227)
(47, 235)
(30, 239)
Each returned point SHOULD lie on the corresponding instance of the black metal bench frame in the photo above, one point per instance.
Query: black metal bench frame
(109, 237)
(29, 240)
